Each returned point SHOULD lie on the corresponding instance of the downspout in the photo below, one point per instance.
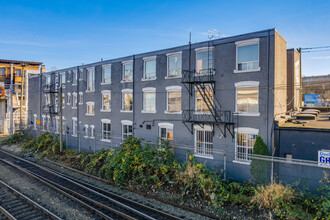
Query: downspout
(77, 104)
(40, 93)
(133, 119)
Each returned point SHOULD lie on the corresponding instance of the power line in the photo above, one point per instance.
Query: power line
(314, 48)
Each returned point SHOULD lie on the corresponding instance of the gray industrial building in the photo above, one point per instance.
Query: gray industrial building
(210, 98)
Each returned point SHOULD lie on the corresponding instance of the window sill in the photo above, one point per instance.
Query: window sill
(105, 140)
(173, 113)
(74, 84)
(242, 162)
(91, 137)
(204, 156)
(81, 103)
(102, 110)
(81, 79)
(85, 137)
(74, 107)
(74, 135)
(173, 77)
(89, 114)
(68, 103)
(125, 81)
(143, 111)
(247, 114)
(103, 84)
(87, 91)
(247, 71)
(124, 111)
(143, 79)
(202, 113)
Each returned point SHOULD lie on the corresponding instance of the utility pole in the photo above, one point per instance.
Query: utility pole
(22, 98)
(61, 120)
(300, 69)
(11, 101)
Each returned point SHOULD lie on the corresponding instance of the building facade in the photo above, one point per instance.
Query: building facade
(319, 85)
(210, 99)
(16, 72)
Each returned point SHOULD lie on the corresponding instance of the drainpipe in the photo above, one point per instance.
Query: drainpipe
(133, 120)
(77, 104)
(11, 101)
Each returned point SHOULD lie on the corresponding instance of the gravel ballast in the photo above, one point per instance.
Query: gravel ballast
(41, 194)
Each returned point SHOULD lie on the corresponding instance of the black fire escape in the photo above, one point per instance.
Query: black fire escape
(203, 82)
(51, 92)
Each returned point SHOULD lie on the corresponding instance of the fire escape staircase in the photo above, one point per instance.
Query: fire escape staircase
(51, 91)
(203, 82)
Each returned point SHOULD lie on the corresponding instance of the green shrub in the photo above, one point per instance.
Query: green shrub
(259, 168)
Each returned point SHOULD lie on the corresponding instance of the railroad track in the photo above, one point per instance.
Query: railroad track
(14, 205)
(103, 203)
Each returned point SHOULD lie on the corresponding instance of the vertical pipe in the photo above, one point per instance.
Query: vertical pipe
(61, 121)
(224, 166)
(134, 109)
(77, 105)
(11, 101)
(22, 98)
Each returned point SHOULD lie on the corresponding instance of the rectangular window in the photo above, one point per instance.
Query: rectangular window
(18, 72)
(74, 100)
(204, 62)
(90, 109)
(173, 101)
(35, 122)
(63, 80)
(86, 131)
(48, 80)
(44, 123)
(166, 134)
(106, 74)
(81, 74)
(106, 131)
(2, 71)
(174, 65)
(149, 101)
(128, 72)
(74, 127)
(127, 101)
(91, 79)
(81, 98)
(149, 69)
(92, 131)
(127, 131)
(69, 99)
(48, 123)
(74, 78)
(203, 142)
(244, 146)
(202, 102)
(106, 98)
(63, 100)
(57, 120)
(247, 99)
(248, 57)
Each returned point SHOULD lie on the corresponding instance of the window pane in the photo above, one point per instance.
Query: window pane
(248, 53)
(127, 102)
(106, 74)
(128, 72)
(149, 101)
(247, 99)
(106, 101)
(204, 62)
(174, 65)
(150, 69)
(174, 101)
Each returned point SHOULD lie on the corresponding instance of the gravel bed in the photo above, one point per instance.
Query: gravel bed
(48, 198)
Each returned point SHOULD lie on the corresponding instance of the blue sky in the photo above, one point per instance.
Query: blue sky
(68, 33)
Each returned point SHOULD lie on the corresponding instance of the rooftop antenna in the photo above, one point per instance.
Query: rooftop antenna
(213, 34)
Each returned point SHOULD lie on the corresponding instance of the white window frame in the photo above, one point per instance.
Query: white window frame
(167, 126)
(69, 77)
(247, 43)
(61, 78)
(107, 121)
(63, 100)
(173, 89)
(74, 74)
(44, 123)
(168, 55)
(81, 74)
(147, 59)
(57, 123)
(104, 67)
(126, 123)
(48, 123)
(126, 91)
(206, 128)
(86, 131)
(92, 133)
(87, 108)
(81, 98)
(124, 63)
(247, 131)
(105, 92)
(74, 126)
(48, 80)
(64, 130)
(246, 84)
(35, 121)
(74, 100)
(203, 49)
(90, 70)
(68, 98)
(148, 90)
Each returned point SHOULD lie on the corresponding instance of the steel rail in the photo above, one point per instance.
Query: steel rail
(92, 189)
(27, 200)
